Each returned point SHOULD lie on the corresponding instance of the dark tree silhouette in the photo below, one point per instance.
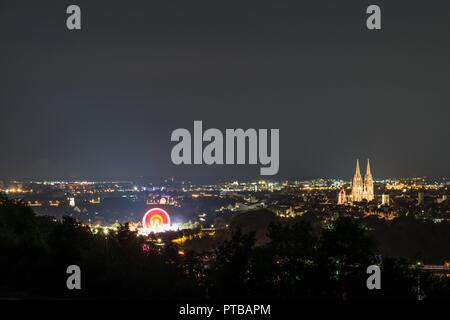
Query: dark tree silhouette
(295, 262)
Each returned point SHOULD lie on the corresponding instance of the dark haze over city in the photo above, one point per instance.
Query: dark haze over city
(102, 102)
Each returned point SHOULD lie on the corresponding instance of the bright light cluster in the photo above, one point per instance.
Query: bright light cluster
(156, 220)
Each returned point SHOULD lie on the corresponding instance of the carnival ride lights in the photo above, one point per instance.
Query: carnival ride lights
(156, 220)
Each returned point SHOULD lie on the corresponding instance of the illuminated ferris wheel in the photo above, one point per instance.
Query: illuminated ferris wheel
(156, 220)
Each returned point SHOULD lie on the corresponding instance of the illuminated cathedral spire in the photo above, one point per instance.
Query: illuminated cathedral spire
(361, 189)
(357, 185)
(368, 184)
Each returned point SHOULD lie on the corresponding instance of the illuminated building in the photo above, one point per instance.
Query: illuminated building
(72, 202)
(95, 200)
(420, 198)
(368, 184)
(361, 190)
(342, 197)
(34, 204)
(441, 200)
(357, 185)
(54, 203)
(385, 200)
(164, 201)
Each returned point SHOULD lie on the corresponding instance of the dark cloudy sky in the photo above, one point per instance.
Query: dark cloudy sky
(103, 101)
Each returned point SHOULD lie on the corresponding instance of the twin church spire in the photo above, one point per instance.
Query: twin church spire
(362, 189)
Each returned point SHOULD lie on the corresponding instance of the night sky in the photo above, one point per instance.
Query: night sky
(102, 102)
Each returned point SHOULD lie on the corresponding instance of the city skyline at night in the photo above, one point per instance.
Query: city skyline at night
(228, 158)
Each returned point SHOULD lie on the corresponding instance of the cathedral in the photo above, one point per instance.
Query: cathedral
(361, 189)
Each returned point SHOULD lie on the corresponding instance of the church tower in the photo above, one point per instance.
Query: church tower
(368, 184)
(357, 185)
(342, 197)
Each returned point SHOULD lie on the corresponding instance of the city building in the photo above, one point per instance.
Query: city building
(385, 200)
(420, 198)
(368, 184)
(342, 197)
(361, 189)
(357, 184)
